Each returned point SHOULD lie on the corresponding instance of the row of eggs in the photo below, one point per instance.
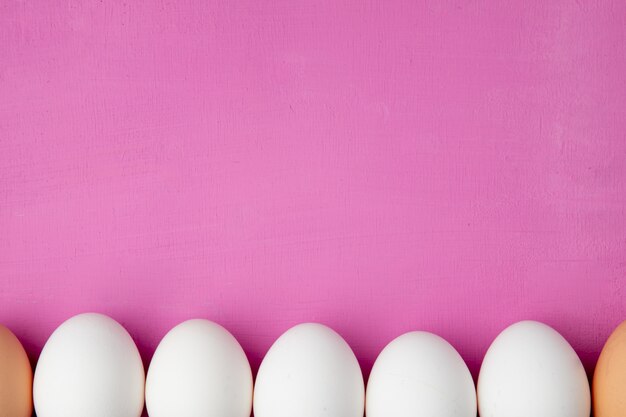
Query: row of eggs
(90, 366)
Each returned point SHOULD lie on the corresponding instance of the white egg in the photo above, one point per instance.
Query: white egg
(419, 374)
(310, 371)
(531, 370)
(199, 369)
(90, 366)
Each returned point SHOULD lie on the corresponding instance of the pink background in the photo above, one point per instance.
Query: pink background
(452, 166)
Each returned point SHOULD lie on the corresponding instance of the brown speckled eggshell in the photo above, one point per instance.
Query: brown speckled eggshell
(609, 378)
(16, 377)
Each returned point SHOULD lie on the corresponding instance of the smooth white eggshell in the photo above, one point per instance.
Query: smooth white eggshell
(90, 366)
(531, 370)
(310, 371)
(199, 369)
(420, 374)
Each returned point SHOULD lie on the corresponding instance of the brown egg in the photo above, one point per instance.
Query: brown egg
(609, 378)
(16, 377)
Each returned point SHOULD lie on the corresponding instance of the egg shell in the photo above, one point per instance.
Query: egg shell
(199, 369)
(310, 371)
(531, 370)
(609, 378)
(420, 374)
(16, 377)
(90, 366)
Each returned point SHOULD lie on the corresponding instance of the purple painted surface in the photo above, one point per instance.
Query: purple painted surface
(380, 167)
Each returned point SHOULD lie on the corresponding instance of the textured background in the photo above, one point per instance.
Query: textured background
(452, 166)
